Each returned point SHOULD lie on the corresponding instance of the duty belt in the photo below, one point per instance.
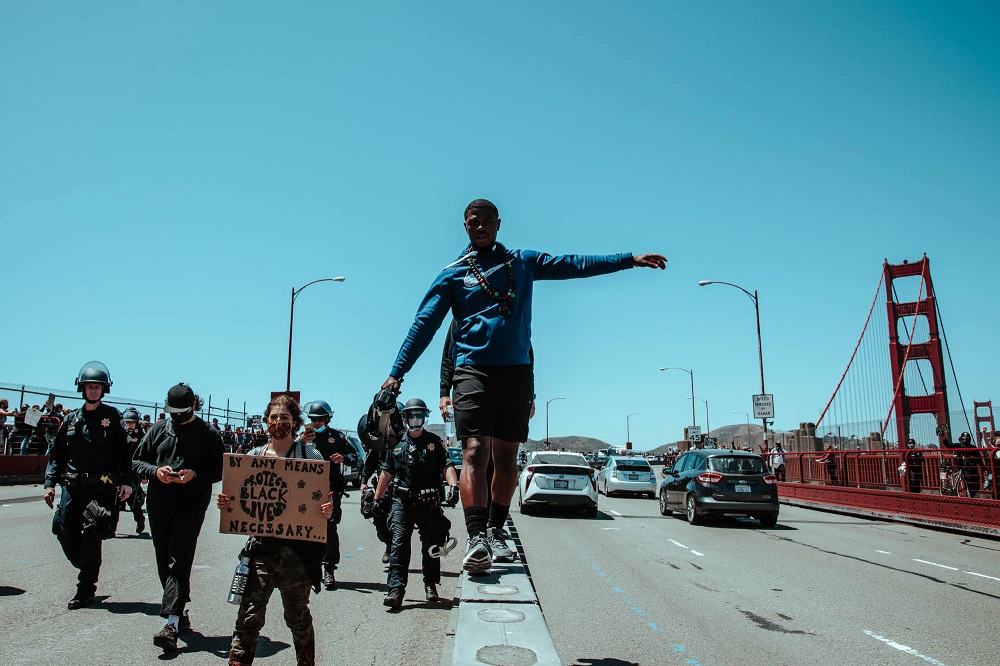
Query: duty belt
(90, 478)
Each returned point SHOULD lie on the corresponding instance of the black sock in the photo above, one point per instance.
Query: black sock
(498, 515)
(475, 520)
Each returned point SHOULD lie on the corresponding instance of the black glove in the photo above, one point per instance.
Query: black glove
(368, 504)
(451, 496)
(380, 507)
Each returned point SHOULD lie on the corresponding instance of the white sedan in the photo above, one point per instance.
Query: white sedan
(557, 478)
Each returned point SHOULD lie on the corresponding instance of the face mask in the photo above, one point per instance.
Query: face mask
(415, 422)
(319, 429)
(178, 418)
(279, 429)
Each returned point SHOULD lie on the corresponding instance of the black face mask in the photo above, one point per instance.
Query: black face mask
(178, 418)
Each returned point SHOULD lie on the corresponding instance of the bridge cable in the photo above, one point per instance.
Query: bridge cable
(878, 291)
(951, 363)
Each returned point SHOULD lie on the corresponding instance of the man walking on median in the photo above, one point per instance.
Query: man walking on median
(488, 289)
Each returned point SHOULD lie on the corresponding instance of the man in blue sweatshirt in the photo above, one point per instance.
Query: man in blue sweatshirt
(488, 290)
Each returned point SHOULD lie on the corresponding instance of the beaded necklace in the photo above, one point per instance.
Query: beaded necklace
(506, 300)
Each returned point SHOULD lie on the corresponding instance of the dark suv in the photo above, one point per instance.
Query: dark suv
(720, 483)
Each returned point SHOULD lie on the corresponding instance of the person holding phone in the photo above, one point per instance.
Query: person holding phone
(181, 458)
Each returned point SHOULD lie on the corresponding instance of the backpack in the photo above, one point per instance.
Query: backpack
(382, 427)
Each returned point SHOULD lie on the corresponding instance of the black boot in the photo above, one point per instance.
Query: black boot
(394, 598)
(329, 582)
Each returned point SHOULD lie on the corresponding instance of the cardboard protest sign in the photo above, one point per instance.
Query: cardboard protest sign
(276, 497)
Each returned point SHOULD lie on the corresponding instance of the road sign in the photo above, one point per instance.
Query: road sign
(711, 443)
(763, 406)
(693, 433)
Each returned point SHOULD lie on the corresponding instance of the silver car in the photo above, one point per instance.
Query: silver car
(627, 475)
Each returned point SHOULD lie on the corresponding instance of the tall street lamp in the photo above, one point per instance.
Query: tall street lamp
(748, 425)
(291, 321)
(708, 427)
(690, 372)
(547, 418)
(628, 433)
(760, 353)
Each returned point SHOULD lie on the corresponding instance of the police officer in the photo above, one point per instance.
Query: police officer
(92, 461)
(369, 481)
(138, 497)
(181, 458)
(415, 468)
(333, 446)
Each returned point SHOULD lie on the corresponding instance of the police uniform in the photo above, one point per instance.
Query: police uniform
(138, 496)
(328, 442)
(90, 458)
(417, 466)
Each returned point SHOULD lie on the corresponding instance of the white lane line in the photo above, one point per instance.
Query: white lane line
(695, 552)
(613, 512)
(904, 648)
(973, 573)
(935, 564)
(677, 543)
(613, 529)
(884, 552)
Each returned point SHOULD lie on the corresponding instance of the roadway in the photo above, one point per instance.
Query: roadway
(627, 587)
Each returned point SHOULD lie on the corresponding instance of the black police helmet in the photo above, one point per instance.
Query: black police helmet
(415, 405)
(94, 372)
(131, 414)
(318, 409)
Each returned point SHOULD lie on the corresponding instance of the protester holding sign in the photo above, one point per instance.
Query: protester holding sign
(290, 565)
(181, 458)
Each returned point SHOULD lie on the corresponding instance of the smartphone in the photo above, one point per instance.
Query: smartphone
(174, 474)
(310, 427)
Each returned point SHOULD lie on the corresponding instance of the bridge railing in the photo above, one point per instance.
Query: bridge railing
(885, 470)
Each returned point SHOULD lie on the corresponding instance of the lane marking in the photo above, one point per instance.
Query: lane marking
(973, 573)
(884, 552)
(935, 564)
(677, 543)
(904, 648)
(695, 552)
(612, 529)
(613, 512)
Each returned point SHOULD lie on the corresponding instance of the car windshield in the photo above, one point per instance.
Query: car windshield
(737, 465)
(633, 466)
(560, 459)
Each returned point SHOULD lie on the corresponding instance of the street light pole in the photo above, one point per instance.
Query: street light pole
(708, 426)
(291, 321)
(628, 433)
(690, 372)
(760, 351)
(547, 418)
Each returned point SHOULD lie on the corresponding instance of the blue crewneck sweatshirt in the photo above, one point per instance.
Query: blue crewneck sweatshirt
(482, 336)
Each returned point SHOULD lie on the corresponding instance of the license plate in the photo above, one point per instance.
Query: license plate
(561, 483)
(633, 477)
(743, 489)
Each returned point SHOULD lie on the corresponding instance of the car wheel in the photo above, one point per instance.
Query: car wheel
(691, 513)
(590, 511)
(664, 511)
(768, 520)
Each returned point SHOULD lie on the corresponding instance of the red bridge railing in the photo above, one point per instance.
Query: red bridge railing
(951, 487)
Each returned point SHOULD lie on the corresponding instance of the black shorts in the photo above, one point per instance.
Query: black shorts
(493, 401)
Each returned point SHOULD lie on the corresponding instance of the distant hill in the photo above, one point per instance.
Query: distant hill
(725, 435)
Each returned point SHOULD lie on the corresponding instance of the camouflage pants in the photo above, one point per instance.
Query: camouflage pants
(284, 570)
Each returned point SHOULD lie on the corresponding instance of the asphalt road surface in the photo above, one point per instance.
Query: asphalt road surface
(352, 625)
(627, 587)
(634, 587)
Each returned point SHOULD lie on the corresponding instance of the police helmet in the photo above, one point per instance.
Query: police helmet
(131, 414)
(94, 372)
(415, 405)
(318, 409)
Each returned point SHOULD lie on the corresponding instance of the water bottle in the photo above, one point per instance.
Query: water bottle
(449, 424)
(239, 581)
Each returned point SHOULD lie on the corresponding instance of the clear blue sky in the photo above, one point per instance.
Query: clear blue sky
(171, 170)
